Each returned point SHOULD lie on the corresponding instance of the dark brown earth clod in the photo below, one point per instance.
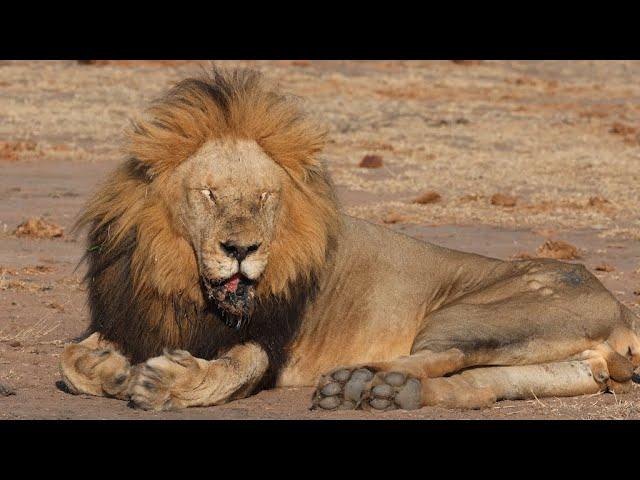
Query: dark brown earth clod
(604, 267)
(428, 197)
(394, 217)
(6, 390)
(371, 161)
(502, 200)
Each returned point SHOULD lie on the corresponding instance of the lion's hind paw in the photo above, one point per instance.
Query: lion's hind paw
(362, 388)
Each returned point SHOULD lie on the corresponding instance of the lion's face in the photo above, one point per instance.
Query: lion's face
(229, 195)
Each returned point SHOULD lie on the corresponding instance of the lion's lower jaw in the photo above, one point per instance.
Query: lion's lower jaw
(235, 315)
(235, 308)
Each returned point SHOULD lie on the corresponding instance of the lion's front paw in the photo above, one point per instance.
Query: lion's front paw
(167, 382)
(95, 372)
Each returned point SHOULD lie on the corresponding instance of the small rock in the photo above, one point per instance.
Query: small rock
(15, 343)
(503, 200)
(428, 197)
(621, 129)
(604, 267)
(6, 390)
(371, 161)
(394, 217)
(598, 202)
(56, 306)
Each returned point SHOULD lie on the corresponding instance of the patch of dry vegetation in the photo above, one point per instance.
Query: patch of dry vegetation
(37, 227)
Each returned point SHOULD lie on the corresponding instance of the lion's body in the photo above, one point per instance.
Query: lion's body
(219, 265)
(375, 294)
(381, 287)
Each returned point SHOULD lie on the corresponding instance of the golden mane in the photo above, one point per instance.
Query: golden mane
(132, 236)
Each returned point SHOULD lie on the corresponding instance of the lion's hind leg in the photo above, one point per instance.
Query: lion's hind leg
(471, 389)
(429, 379)
(95, 367)
(596, 370)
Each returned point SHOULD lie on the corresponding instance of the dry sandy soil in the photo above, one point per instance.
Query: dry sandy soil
(560, 137)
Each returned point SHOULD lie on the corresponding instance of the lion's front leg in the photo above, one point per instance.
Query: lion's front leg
(95, 367)
(178, 380)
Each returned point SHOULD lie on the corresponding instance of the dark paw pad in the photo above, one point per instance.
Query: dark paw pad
(392, 390)
(342, 389)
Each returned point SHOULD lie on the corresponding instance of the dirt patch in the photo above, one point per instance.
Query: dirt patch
(628, 133)
(394, 217)
(13, 151)
(502, 200)
(37, 227)
(558, 249)
(467, 63)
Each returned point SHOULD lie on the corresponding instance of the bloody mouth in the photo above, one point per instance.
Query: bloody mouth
(231, 285)
(233, 296)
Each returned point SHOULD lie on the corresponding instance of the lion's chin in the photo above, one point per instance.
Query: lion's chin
(234, 297)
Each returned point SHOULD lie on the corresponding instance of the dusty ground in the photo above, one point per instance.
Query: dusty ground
(562, 138)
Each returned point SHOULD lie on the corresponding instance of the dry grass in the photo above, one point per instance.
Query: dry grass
(33, 333)
(553, 134)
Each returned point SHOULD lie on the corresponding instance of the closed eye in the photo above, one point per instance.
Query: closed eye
(209, 194)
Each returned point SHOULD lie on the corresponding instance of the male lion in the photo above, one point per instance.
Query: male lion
(218, 265)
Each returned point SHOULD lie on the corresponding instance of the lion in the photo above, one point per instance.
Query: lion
(219, 265)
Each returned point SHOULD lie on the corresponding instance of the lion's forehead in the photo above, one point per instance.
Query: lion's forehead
(232, 164)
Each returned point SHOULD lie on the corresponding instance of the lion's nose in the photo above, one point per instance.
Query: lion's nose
(239, 252)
